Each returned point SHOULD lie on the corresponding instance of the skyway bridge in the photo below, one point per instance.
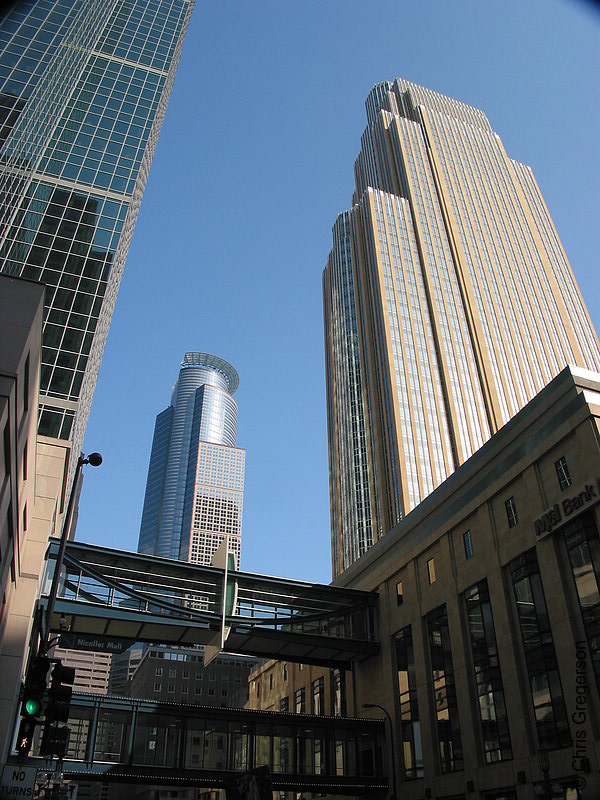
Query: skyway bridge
(124, 740)
(116, 595)
(113, 598)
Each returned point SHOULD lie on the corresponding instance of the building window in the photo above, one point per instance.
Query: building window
(337, 682)
(184, 689)
(583, 548)
(157, 687)
(7, 454)
(431, 570)
(258, 688)
(271, 681)
(285, 672)
(399, 593)
(185, 674)
(318, 697)
(26, 370)
(540, 657)
(511, 512)
(198, 690)
(171, 688)
(158, 672)
(488, 680)
(24, 464)
(211, 691)
(410, 728)
(562, 472)
(444, 691)
(468, 544)
(172, 673)
(284, 705)
(300, 701)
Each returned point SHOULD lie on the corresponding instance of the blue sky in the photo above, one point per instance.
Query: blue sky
(254, 163)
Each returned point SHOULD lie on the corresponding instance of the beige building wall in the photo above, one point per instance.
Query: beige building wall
(424, 564)
(33, 472)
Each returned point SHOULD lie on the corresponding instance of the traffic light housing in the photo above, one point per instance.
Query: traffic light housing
(55, 739)
(32, 703)
(25, 736)
(35, 687)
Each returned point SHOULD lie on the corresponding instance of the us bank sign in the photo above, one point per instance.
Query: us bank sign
(568, 507)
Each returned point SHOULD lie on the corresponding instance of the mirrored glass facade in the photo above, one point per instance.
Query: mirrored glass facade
(195, 486)
(84, 86)
(448, 302)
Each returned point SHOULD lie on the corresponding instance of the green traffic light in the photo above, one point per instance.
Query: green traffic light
(32, 706)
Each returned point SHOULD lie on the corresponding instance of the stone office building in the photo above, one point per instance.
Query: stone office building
(489, 618)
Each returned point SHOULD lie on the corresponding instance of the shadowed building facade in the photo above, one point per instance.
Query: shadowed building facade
(449, 304)
(195, 486)
(84, 87)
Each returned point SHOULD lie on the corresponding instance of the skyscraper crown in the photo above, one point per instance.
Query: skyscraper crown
(192, 360)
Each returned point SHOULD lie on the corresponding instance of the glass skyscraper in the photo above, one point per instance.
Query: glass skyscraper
(84, 86)
(195, 486)
(449, 303)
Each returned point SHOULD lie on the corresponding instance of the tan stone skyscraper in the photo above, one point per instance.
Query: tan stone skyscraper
(449, 304)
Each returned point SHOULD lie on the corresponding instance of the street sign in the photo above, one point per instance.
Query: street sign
(17, 782)
(226, 561)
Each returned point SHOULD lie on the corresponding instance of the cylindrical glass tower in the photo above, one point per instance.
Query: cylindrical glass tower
(195, 480)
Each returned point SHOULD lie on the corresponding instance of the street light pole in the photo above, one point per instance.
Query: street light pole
(393, 749)
(95, 459)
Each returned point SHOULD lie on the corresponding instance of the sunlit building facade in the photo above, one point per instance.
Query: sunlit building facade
(449, 304)
(195, 486)
(83, 92)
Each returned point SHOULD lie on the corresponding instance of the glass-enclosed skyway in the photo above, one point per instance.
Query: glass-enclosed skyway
(123, 740)
(119, 595)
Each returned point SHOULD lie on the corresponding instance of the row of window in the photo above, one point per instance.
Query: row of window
(564, 479)
(543, 681)
(198, 691)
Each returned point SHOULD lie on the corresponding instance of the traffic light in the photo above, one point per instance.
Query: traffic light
(25, 736)
(35, 687)
(55, 739)
(32, 704)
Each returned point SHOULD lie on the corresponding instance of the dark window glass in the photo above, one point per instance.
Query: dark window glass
(338, 692)
(540, 657)
(444, 691)
(410, 725)
(488, 681)
(26, 384)
(562, 472)
(318, 696)
(511, 512)
(399, 593)
(583, 548)
(468, 544)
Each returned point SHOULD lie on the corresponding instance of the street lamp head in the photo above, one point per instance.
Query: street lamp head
(95, 459)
